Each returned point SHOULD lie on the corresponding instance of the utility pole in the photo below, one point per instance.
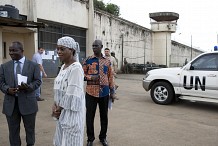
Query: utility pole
(191, 47)
(122, 51)
(217, 38)
(144, 55)
(166, 49)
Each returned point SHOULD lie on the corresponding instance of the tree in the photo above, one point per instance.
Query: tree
(113, 9)
(99, 5)
(110, 8)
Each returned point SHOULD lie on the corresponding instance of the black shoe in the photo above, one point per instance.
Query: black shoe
(90, 143)
(39, 99)
(104, 142)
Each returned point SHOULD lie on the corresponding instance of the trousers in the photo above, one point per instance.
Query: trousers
(91, 105)
(14, 126)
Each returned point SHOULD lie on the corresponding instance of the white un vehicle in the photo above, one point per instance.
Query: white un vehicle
(196, 81)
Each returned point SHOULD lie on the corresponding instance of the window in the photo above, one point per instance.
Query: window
(208, 62)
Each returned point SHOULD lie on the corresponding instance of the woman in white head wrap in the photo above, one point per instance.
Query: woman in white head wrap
(71, 44)
(69, 101)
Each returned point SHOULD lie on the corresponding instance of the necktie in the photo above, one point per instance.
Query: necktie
(18, 68)
(18, 71)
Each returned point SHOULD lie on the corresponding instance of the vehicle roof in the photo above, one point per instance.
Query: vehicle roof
(214, 52)
(210, 52)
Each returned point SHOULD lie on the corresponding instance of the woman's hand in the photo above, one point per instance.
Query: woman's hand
(56, 111)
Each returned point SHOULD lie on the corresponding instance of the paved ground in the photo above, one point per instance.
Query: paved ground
(45, 125)
(135, 120)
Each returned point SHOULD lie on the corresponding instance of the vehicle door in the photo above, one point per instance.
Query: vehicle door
(202, 77)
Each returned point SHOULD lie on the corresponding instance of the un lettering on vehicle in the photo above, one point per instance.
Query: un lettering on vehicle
(194, 81)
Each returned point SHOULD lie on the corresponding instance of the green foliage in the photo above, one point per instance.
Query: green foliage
(113, 9)
(99, 5)
(110, 8)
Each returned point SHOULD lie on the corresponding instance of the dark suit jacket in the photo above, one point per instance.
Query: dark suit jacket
(26, 99)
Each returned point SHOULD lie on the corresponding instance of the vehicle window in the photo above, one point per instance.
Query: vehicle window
(207, 62)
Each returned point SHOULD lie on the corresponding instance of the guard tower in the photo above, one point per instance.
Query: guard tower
(162, 25)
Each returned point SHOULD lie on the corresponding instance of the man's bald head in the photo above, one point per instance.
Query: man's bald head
(97, 43)
(97, 46)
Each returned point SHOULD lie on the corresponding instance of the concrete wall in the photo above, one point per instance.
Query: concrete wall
(162, 41)
(1, 47)
(29, 45)
(182, 52)
(161, 47)
(72, 12)
(113, 31)
(26, 39)
(9, 38)
(68, 12)
(168, 26)
(21, 5)
(127, 39)
(139, 43)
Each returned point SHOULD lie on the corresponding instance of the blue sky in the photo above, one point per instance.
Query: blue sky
(198, 19)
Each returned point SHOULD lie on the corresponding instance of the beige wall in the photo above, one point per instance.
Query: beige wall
(21, 5)
(136, 39)
(140, 44)
(1, 47)
(25, 39)
(168, 26)
(9, 38)
(68, 11)
(162, 41)
(181, 52)
(161, 47)
(29, 45)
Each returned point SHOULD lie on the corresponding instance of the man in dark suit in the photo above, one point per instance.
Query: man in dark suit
(19, 100)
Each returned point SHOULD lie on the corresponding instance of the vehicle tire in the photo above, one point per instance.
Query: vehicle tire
(162, 93)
